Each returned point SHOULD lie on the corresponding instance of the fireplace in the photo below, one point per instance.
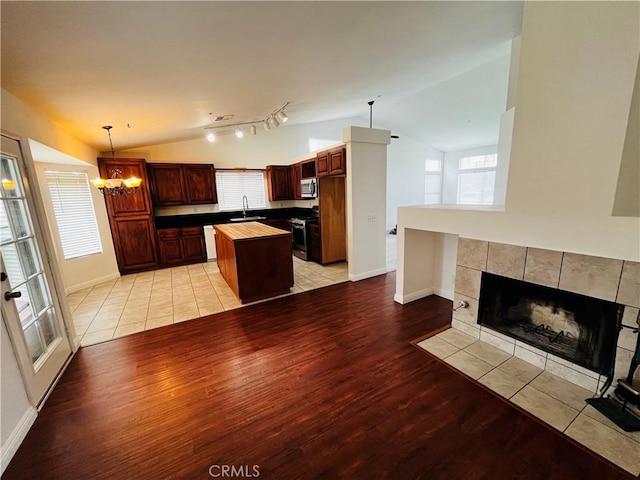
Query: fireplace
(581, 329)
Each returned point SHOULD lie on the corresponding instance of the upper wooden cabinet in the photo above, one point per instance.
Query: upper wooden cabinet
(279, 182)
(182, 184)
(332, 162)
(200, 183)
(295, 174)
(136, 203)
(308, 168)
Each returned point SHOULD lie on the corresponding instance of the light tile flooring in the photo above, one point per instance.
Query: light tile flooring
(137, 302)
(552, 399)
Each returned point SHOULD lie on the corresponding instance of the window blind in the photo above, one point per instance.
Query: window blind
(232, 186)
(74, 212)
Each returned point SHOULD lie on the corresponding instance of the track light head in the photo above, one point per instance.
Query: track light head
(282, 116)
(274, 122)
(239, 133)
(211, 137)
(265, 124)
(253, 129)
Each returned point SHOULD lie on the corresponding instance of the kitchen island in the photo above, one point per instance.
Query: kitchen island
(254, 259)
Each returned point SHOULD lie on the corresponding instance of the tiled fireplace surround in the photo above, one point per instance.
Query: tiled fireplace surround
(604, 278)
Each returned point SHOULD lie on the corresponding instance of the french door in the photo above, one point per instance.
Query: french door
(31, 308)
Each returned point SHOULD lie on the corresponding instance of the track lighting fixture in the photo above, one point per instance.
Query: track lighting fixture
(274, 120)
(281, 116)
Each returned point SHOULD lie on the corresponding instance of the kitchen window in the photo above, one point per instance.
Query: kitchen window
(233, 185)
(432, 182)
(476, 179)
(75, 216)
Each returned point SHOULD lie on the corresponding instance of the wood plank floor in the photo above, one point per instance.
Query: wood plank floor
(324, 384)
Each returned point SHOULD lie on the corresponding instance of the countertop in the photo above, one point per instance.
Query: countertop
(201, 219)
(249, 230)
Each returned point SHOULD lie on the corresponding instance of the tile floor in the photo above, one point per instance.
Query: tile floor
(137, 302)
(552, 399)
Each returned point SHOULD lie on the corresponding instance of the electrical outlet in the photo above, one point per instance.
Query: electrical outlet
(372, 219)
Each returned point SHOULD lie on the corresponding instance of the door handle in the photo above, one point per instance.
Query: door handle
(9, 295)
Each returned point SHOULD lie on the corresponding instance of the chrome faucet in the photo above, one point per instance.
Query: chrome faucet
(245, 200)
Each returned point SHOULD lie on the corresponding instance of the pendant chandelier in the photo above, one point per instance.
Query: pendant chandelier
(116, 184)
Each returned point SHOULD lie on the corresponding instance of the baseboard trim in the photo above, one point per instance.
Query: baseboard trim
(398, 298)
(371, 273)
(444, 293)
(91, 283)
(16, 438)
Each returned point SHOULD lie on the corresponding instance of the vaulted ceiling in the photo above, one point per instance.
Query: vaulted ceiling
(437, 71)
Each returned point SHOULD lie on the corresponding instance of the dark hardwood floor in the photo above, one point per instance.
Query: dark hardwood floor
(324, 384)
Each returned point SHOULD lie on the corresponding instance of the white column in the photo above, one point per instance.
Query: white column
(366, 185)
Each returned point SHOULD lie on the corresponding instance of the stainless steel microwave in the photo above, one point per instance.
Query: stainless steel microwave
(309, 188)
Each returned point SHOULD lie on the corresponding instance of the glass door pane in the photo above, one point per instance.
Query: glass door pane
(31, 315)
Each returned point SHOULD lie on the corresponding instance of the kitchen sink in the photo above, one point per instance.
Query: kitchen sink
(248, 219)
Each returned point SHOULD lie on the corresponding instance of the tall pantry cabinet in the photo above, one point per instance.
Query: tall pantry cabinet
(131, 217)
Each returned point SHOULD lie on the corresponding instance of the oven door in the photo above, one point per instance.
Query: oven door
(299, 235)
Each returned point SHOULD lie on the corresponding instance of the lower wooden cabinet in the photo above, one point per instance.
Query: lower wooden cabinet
(314, 243)
(134, 239)
(180, 246)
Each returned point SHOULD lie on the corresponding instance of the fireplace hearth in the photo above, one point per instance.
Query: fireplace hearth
(581, 329)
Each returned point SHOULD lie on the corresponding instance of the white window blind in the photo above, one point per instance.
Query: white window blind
(233, 185)
(432, 182)
(74, 212)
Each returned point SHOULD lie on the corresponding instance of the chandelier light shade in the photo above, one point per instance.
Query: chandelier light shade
(116, 184)
(277, 117)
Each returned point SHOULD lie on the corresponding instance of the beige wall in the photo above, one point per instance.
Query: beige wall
(569, 130)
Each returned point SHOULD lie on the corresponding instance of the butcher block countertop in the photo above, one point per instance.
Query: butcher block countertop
(249, 230)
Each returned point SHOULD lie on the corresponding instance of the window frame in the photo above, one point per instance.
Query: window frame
(433, 173)
(78, 231)
(476, 170)
(257, 198)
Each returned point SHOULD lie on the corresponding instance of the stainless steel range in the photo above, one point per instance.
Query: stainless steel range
(300, 235)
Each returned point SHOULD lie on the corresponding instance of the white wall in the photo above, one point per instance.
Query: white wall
(82, 272)
(405, 174)
(569, 129)
(366, 181)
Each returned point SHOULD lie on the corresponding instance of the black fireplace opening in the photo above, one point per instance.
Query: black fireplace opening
(583, 330)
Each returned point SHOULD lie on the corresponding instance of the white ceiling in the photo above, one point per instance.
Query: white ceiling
(436, 70)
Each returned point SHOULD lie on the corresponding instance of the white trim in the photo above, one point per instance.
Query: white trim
(371, 273)
(411, 297)
(448, 294)
(17, 436)
(91, 283)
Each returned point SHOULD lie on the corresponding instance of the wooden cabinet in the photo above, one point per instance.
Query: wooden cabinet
(130, 217)
(295, 174)
(137, 203)
(255, 260)
(200, 184)
(332, 213)
(279, 182)
(180, 246)
(182, 184)
(314, 243)
(308, 168)
(332, 162)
